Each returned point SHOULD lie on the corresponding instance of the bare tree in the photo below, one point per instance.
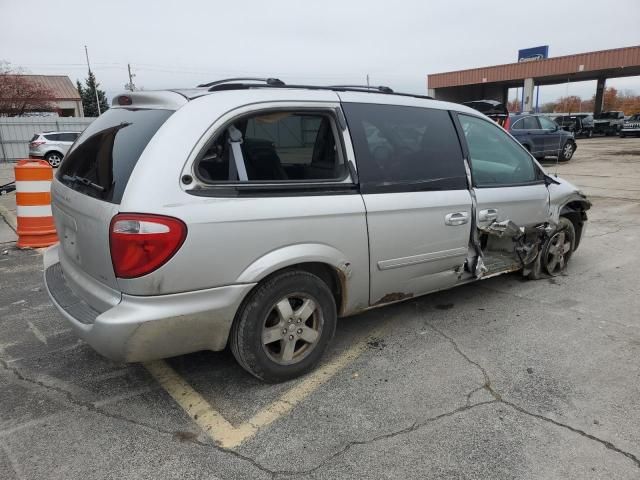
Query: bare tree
(19, 94)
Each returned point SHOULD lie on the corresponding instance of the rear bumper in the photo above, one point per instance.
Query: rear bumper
(147, 328)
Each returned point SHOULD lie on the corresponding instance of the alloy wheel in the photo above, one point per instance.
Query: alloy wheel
(54, 160)
(557, 253)
(568, 151)
(292, 328)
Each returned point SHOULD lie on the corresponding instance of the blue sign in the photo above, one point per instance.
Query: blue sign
(535, 53)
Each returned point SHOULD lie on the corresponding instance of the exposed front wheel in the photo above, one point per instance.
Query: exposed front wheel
(558, 249)
(284, 326)
(54, 159)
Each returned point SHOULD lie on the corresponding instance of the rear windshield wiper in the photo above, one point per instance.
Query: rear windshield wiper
(84, 181)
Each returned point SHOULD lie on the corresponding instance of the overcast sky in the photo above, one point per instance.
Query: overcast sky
(398, 42)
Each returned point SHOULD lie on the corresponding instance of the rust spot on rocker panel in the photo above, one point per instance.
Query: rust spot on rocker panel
(393, 297)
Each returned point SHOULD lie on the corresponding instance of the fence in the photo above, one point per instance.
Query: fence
(16, 132)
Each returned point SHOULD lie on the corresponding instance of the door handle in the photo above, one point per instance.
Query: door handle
(457, 218)
(487, 215)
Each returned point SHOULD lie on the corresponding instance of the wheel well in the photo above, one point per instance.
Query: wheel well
(328, 275)
(576, 213)
(325, 272)
(53, 151)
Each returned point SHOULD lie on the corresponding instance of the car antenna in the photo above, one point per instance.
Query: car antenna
(566, 98)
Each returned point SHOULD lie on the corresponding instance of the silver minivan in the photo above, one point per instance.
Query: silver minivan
(254, 214)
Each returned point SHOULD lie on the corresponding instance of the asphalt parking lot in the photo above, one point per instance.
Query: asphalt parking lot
(504, 378)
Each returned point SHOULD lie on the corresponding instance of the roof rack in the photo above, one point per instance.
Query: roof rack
(378, 88)
(274, 82)
(239, 84)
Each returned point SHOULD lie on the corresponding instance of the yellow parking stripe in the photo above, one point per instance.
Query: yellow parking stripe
(191, 401)
(218, 428)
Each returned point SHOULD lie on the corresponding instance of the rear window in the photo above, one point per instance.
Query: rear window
(35, 137)
(101, 161)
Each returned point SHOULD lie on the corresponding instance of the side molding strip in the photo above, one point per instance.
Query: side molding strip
(422, 258)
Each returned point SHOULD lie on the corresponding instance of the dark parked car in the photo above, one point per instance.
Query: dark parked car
(580, 124)
(542, 136)
(609, 123)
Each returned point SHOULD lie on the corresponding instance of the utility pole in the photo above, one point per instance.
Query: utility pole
(368, 81)
(95, 87)
(130, 86)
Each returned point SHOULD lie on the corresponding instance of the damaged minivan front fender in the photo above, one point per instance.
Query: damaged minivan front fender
(566, 200)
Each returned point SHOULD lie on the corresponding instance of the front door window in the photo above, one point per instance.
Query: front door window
(496, 159)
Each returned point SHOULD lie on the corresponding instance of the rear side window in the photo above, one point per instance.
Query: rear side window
(101, 161)
(275, 146)
(405, 148)
(52, 137)
(68, 137)
(526, 123)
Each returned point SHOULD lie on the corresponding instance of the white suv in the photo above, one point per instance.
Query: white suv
(52, 146)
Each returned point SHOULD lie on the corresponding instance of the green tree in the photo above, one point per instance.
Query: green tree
(88, 95)
(79, 88)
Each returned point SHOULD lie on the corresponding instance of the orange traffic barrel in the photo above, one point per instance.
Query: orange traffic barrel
(33, 204)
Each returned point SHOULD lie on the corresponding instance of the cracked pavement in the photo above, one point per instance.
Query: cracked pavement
(503, 378)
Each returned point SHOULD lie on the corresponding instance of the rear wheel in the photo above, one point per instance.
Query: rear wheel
(54, 159)
(284, 326)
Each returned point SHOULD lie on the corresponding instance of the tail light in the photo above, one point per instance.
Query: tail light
(507, 124)
(36, 144)
(142, 243)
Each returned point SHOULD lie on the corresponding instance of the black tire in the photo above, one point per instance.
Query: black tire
(54, 159)
(261, 307)
(550, 252)
(567, 151)
(622, 135)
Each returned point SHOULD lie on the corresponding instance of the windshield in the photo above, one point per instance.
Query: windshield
(606, 115)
